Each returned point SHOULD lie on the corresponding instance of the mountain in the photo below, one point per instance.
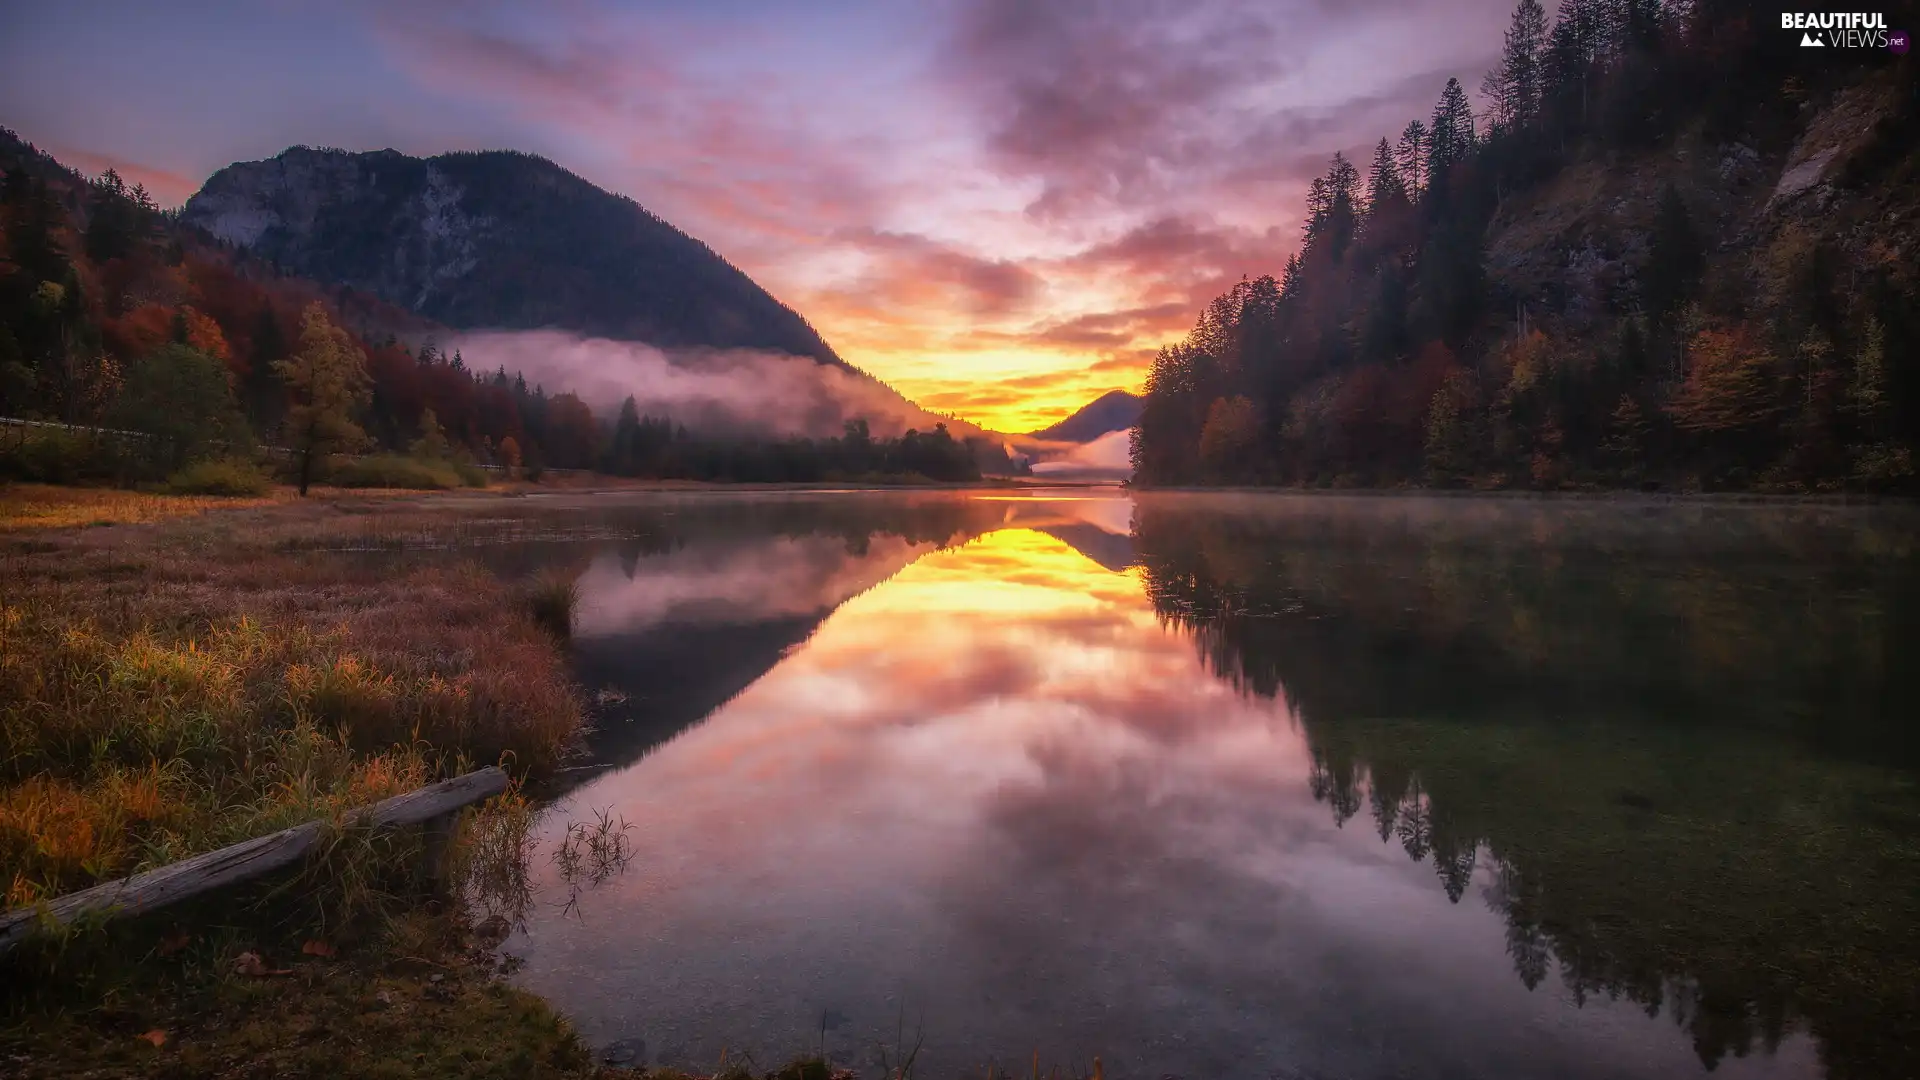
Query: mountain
(494, 240)
(1115, 410)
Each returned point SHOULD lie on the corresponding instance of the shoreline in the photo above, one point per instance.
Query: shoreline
(1619, 495)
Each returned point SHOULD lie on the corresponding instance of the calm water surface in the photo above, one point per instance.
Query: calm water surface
(1263, 787)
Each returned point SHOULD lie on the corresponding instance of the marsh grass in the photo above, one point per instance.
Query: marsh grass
(181, 685)
(552, 598)
(175, 690)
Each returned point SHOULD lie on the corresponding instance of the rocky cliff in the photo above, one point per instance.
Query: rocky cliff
(494, 240)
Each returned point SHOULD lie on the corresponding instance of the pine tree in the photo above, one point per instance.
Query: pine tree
(1333, 209)
(1575, 47)
(624, 452)
(1412, 154)
(1290, 278)
(1384, 188)
(1514, 87)
(1676, 259)
(1452, 135)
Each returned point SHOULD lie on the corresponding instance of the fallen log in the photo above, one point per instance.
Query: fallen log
(432, 806)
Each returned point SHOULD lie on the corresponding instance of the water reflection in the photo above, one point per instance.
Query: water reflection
(1281, 790)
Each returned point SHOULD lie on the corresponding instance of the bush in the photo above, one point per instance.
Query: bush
(180, 396)
(225, 476)
(470, 474)
(54, 455)
(398, 471)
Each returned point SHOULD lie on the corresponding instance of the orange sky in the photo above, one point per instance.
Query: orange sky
(1000, 207)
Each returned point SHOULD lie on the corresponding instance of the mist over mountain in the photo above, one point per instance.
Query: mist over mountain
(497, 240)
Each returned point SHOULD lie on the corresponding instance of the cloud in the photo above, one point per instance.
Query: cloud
(1107, 99)
(907, 269)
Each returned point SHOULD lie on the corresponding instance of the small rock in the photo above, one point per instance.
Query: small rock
(624, 1052)
(436, 977)
(493, 929)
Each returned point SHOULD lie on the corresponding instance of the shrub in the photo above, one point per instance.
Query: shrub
(56, 456)
(552, 598)
(222, 476)
(470, 474)
(394, 471)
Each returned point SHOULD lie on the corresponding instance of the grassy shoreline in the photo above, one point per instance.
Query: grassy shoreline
(191, 673)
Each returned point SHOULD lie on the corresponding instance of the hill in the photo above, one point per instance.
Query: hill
(1676, 251)
(1114, 410)
(494, 240)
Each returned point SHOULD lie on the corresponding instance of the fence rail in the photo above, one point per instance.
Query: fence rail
(433, 806)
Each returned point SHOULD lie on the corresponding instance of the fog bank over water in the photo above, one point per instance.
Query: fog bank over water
(738, 390)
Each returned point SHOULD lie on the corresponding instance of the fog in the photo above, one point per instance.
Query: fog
(735, 391)
(1108, 455)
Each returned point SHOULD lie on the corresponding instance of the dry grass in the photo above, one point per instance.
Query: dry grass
(182, 686)
(42, 506)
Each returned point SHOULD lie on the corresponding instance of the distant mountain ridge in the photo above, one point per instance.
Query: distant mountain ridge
(1115, 410)
(494, 240)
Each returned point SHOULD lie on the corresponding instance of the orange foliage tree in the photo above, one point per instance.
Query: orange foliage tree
(1730, 384)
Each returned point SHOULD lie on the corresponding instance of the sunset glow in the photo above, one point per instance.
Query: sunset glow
(1001, 208)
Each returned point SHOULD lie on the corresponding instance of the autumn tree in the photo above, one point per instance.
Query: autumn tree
(1878, 459)
(1230, 437)
(326, 378)
(1729, 396)
(432, 444)
(1447, 447)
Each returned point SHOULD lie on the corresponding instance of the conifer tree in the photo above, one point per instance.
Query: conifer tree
(1676, 260)
(1412, 155)
(1384, 187)
(1452, 134)
(1513, 88)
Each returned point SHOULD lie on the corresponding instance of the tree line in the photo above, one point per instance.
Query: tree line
(1386, 353)
(656, 447)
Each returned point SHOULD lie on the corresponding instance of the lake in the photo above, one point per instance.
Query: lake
(1267, 787)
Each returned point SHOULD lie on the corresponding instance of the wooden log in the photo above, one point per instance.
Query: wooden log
(188, 878)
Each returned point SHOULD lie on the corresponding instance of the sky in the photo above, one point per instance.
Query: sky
(1001, 207)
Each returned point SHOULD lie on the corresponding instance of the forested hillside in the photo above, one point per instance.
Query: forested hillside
(1673, 250)
(116, 313)
(97, 285)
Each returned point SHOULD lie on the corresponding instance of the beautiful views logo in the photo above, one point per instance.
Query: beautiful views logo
(1844, 30)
